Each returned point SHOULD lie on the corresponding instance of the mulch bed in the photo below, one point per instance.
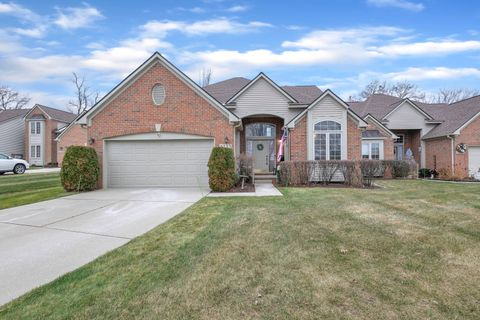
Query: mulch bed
(248, 187)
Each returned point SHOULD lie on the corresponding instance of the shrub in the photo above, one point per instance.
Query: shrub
(245, 165)
(221, 169)
(371, 169)
(80, 169)
(322, 171)
(424, 173)
(400, 169)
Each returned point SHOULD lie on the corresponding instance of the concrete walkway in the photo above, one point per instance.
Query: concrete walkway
(262, 189)
(42, 241)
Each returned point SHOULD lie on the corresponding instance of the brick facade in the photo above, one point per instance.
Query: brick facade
(75, 136)
(298, 140)
(133, 112)
(354, 140)
(438, 153)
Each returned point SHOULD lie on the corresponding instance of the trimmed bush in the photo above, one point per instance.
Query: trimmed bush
(371, 169)
(221, 169)
(80, 169)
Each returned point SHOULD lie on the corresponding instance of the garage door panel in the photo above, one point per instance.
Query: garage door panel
(158, 163)
(473, 159)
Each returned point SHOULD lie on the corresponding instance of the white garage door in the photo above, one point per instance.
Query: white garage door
(473, 159)
(168, 163)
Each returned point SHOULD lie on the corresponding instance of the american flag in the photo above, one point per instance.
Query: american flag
(282, 145)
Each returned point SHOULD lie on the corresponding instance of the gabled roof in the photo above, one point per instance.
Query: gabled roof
(380, 125)
(7, 115)
(259, 77)
(65, 129)
(450, 118)
(406, 100)
(52, 113)
(456, 116)
(226, 89)
(329, 93)
(156, 58)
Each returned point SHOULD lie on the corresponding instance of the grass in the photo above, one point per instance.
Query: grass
(409, 251)
(17, 190)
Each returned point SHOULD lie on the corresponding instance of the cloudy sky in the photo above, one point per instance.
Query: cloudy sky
(340, 45)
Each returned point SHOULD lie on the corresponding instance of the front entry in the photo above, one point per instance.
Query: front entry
(261, 155)
(260, 145)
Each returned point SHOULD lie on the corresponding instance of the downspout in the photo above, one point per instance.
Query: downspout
(452, 139)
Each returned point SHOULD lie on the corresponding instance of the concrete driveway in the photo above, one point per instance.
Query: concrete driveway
(42, 241)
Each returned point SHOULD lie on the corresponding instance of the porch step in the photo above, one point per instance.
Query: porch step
(269, 178)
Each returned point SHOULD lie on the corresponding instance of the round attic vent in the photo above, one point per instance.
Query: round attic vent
(158, 94)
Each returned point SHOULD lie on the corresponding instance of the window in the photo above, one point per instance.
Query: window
(35, 127)
(260, 130)
(158, 94)
(400, 139)
(38, 152)
(2, 156)
(372, 150)
(35, 151)
(32, 152)
(327, 140)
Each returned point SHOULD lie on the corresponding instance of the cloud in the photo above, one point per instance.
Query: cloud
(322, 39)
(75, 18)
(435, 73)
(39, 23)
(429, 48)
(237, 8)
(203, 27)
(401, 4)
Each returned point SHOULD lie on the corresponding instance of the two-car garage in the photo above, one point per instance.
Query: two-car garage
(157, 160)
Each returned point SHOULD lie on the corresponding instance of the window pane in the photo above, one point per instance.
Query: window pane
(38, 152)
(38, 127)
(365, 151)
(335, 146)
(32, 127)
(327, 126)
(260, 130)
(2, 156)
(375, 151)
(32, 151)
(320, 146)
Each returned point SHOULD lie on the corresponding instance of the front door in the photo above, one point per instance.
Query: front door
(398, 150)
(261, 155)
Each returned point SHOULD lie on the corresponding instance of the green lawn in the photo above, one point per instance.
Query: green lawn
(409, 251)
(17, 190)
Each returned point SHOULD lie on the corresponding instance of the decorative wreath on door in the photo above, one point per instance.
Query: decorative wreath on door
(260, 147)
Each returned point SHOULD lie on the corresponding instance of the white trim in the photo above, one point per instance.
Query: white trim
(145, 66)
(261, 75)
(69, 125)
(328, 92)
(39, 107)
(426, 115)
(379, 124)
(158, 136)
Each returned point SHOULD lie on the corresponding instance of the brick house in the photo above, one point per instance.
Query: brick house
(439, 136)
(42, 125)
(157, 127)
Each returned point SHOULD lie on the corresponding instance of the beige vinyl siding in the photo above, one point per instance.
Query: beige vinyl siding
(263, 98)
(327, 109)
(406, 117)
(12, 136)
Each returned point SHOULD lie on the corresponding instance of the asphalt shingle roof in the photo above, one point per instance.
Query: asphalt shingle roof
(451, 116)
(224, 90)
(10, 114)
(60, 115)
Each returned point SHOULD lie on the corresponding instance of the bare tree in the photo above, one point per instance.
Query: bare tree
(84, 98)
(453, 95)
(11, 99)
(402, 90)
(205, 77)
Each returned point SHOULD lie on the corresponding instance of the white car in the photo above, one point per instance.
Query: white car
(9, 164)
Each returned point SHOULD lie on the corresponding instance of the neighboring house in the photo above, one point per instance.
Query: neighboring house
(12, 128)
(440, 136)
(42, 127)
(74, 134)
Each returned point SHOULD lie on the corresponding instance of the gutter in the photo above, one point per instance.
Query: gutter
(452, 139)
